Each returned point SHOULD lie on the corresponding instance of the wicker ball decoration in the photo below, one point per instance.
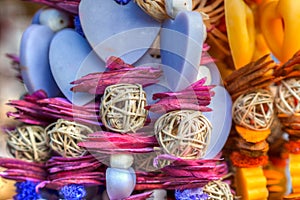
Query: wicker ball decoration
(183, 133)
(122, 107)
(154, 8)
(29, 143)
(65, 135)
(287, 100)
(254, 110)
(218, 190)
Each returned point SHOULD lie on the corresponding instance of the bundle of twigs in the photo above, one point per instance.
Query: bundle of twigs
(182, 174)
(20, 170)
(117, 72)
(195, 97)
(289, 69)
(86, 170)
(110, 143)
(38, 109)
(253, 76)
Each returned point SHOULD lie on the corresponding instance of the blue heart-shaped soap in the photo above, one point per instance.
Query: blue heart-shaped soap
(34, 60)
(181, 45)
(220, 119)
(116, 30)
(71, 57)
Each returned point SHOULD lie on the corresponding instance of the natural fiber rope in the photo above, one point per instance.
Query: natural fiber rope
(254, 110)
(122, 107)
(154, 8)
(184, 133)
(29, 143)
(288, 96)
(218, 190)
(64, 136)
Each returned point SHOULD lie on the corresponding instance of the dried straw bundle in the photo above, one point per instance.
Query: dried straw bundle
(183, 133)
(29, 143)
(218, 190)
(64, 136)
(254, 110)
(154, 8)
(122, 107)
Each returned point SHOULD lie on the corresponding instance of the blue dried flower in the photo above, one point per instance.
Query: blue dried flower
(122, 2)
(78, 27)
(191, 194)
(73, 192)
(26, 191)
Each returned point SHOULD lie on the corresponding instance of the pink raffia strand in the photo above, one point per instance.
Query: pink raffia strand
(111, 143)
(205, 57)
(70, 6)
(117, 72)
(15, 62)
(20, 170)
(38, 109)
(86, 170)
(141, 196)
(14, 58)
(195, 97)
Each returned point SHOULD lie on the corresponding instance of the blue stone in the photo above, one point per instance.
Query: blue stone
(34, 60)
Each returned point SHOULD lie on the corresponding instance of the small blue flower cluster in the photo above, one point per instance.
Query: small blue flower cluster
(77, 25)
(26, 191)
(122, 2)
(73, 192)
(191, 194)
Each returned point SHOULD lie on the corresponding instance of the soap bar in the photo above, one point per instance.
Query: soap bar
(71, 57)
(294, 167)
(34, 60)
(117, 30)
(181, 45)
(251, 183)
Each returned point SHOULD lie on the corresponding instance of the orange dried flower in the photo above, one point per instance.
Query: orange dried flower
(293, 147)
(243, 161)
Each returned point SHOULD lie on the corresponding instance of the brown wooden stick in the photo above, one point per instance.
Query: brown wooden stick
(246, 79)
(253, 66)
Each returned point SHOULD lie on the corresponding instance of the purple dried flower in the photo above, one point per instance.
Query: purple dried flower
(191, 194)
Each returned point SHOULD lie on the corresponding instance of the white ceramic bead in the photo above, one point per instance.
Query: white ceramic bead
(173, 7)
(158, 194)
(121, 161)
(204, 32)
(120, 183)
(54, 19)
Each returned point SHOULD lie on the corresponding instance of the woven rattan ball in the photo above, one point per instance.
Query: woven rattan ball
(288, 96)
(254, 110)
(29, 143)
(122, 107)
(154, 8)
(64, 136)
(183, 133)
(218, 190)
